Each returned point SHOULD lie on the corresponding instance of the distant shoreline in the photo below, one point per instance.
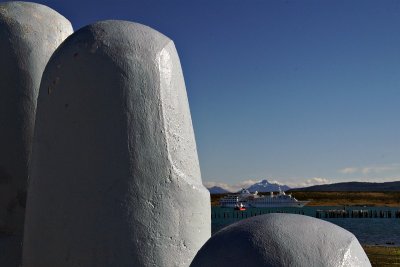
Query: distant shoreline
(369, 199)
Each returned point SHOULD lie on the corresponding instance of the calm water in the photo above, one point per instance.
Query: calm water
(369, 231)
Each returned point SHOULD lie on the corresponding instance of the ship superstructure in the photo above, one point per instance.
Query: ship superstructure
(255, 200)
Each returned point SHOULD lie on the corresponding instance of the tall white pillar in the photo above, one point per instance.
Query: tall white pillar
(29, 34)
(115, 179)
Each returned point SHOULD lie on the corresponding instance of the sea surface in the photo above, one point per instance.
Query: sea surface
(369, 231)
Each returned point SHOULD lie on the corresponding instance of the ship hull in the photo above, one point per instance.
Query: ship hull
(298, 204)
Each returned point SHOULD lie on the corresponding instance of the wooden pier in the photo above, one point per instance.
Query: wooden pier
(357, 213)
(230, 214)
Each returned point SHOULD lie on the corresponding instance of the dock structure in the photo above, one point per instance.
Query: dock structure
(235, 215)
(364, 213)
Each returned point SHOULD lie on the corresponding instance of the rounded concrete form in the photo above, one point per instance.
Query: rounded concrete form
(282, 240)
(115, 178)
(29, 34)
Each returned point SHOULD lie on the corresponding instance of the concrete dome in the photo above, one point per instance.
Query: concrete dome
(282, 240)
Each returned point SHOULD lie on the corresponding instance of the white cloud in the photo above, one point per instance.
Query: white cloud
(222, 185)
(309, 182)
(246, 183)
(276, 182)
(379, 169)
(348, 170)
(230, 187)
(372, 169)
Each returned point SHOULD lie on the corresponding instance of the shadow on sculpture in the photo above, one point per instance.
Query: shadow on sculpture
(115, 178)
(29, 34)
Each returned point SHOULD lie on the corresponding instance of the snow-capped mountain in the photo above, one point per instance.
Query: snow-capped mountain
(217, 190)
(265, 186)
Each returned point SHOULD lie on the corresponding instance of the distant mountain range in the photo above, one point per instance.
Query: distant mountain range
(262, 186)
(217, 190)
(353, 186)
(265, 186)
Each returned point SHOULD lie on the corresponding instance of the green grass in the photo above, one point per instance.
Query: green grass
(381, 256)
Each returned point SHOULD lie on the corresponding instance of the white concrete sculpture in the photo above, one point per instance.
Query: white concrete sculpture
(115, 178)
(282, 240)
(29, 34)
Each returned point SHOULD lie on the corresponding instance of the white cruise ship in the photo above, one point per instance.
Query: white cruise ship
(248, 200)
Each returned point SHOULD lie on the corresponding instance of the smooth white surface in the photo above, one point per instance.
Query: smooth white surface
(115, 178)
(282, 240)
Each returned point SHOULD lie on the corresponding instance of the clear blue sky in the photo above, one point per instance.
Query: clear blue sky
(284, 90)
